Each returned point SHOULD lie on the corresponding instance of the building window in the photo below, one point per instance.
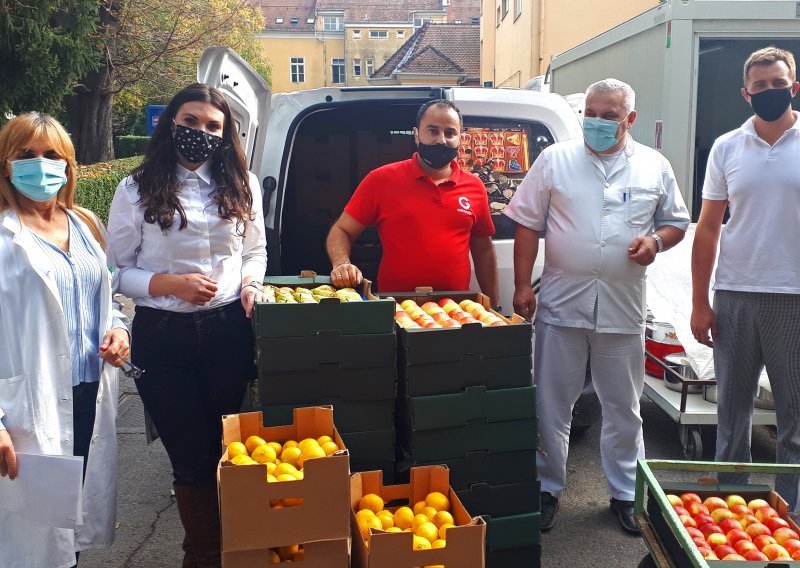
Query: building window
(294, 21)
(457, 21)
(370, 66)
(298, 74)
(310, 21)
(278, 20)
(401, 34)
(378, 34)
(517, 8)
(337, 70)
(333, 23)
(505, 7)
(475, 21)
(356, 34)
(357, 67)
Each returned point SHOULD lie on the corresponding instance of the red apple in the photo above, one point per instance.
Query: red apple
(740, 510)
(756, 529)
(755, 555)
(712, 503)
(732, 500)
(763, 540)
(727, 525)
(687, 521)
(775, 551)
(743, 546)
(784, 533)
(696, 508)
(694, 533)
(723, 550)
(674, 500)
(704, 550)
(764, 513)
(792, 545)
(721, 514)
(680, 510)
(710, 528)
(774, 523)
(686, 497)
(700, 542)
(736, 535)
(716, 539)
(756, 504)
(733, 556)
(796, 555)
(748, 520)
(710, 555)
(703, 519)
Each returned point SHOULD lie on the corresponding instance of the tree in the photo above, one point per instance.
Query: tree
(150, 48)
(45, 46)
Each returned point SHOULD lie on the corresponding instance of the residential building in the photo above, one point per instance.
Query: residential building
(518, 37)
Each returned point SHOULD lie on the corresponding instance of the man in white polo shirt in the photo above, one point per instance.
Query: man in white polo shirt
(605, 205)
(753, 171)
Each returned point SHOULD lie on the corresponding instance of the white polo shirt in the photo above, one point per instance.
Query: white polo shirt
(589, 219)
(758, 249)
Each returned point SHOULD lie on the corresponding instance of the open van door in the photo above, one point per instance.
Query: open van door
(246, 92)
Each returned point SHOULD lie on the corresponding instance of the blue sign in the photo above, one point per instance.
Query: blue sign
(153, 113)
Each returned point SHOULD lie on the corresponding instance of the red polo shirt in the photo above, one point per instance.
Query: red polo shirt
(424, 228)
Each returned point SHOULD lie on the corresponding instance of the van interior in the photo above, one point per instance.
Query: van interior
(720, 107)
(334, 147)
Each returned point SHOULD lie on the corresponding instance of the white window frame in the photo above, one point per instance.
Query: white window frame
(369, 66)
(401, 34)
(378, 34)
(297, 69)
(356, 34)
(338, 62)
(333, 23)
(278, 20)
(357, 67)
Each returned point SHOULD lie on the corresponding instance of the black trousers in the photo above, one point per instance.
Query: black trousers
(197, 366)
(84, 405)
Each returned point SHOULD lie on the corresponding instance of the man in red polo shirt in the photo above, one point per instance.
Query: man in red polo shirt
(430, 215)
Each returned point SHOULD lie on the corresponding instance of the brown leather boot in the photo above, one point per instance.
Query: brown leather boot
(198, 508)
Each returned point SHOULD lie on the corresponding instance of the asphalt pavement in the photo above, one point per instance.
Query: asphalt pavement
(586, 534)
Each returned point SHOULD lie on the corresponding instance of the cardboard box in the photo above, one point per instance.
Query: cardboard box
(248, 521)
(354, 416)
(482, 466)
(329, 347)
(329, 380)
(529, 557)
(749, 492)
(501, 500)
(453, 443)
(513, 531)
(465, 542)
(375, 316)
(473, 369)
(472, 404)
(319, 554)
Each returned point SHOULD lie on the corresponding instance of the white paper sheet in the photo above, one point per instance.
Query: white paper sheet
(47, 489)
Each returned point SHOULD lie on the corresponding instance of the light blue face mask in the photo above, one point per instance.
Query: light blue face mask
(600, 134)
(38, 179)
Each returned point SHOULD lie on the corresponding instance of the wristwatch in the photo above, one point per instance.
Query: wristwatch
(255, 284)
(659, 241)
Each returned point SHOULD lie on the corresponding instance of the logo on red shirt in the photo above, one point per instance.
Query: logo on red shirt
(465, 205)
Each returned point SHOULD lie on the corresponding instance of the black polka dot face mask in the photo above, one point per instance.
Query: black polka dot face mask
(195, 145)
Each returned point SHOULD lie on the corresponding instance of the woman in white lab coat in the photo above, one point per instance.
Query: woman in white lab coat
(60, 340)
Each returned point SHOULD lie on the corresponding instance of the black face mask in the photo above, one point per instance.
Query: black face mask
(436, 156)
(770, 105)
(195, 145)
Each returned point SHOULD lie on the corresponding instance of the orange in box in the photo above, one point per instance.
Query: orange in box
(249, 523)
(320, 554)
(466, 542)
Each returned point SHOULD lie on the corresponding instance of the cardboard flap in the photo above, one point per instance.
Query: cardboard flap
(308, 274)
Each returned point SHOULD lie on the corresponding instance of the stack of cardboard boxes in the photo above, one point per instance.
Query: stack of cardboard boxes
(342, 354)
(466, 400)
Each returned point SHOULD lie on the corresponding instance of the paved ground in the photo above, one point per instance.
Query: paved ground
(586, 534)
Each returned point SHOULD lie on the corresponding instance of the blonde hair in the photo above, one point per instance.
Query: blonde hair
(16, 135)
(768, 56)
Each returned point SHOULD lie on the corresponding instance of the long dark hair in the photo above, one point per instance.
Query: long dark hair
(158, 184)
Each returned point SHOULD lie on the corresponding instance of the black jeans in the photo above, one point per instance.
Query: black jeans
(197, 366)
(84, 405)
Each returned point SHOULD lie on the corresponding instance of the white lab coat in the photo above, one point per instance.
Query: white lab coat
(36, 399)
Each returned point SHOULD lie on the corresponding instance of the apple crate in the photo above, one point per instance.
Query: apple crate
(372, 316)
(494, 468)
(665, 535)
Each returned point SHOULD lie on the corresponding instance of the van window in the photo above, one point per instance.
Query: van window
(501, 153)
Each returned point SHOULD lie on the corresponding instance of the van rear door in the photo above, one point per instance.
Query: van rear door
(247, 94)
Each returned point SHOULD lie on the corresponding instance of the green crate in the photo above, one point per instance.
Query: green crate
(472, 370)
(482, 466)
(373, 316)
(370, 447)
(328, 380)
(356, 416)
(386, 467)
(282, 354)
(474, 403)
(527, 557)
(452, 443)
(501, 500)
(513, 531)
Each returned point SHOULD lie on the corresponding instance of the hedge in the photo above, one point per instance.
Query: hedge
(97, 183)
(127, 146)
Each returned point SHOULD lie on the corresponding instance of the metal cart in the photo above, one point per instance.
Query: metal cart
(690, 411)
(658, 556)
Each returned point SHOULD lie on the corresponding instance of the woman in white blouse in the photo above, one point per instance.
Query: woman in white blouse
(186, 231)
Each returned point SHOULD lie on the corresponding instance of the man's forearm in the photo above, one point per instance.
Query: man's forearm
(526, 248)
(670, 236)
(485, 261)
(704, 252)
(338, 246)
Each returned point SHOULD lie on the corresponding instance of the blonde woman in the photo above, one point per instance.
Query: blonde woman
(60, 339)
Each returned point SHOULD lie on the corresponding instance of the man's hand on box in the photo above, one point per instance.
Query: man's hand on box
(346, 275)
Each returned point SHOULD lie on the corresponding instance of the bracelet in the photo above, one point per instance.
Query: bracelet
(342, 263)
(255, 284)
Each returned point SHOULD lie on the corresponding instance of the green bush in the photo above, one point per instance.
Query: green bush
(97, 183)
(127, 146)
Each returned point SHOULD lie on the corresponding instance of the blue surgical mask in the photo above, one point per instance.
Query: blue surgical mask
(600, 134)
(38, 179)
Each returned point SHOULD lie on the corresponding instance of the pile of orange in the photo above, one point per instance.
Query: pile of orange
(284, 461)
(292, 553)
(428, 519)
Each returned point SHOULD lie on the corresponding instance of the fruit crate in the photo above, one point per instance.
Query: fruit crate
(512, 532)
(501, 500)
(482, 466)
(667, 539)
(529, 557)
(318, 554)
(367, 447)
(351, 416)
(372, 316)
(473, 369)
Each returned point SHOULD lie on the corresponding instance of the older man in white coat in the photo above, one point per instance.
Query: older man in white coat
(606, 206)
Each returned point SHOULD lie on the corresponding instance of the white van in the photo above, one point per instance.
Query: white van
(310, 149)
